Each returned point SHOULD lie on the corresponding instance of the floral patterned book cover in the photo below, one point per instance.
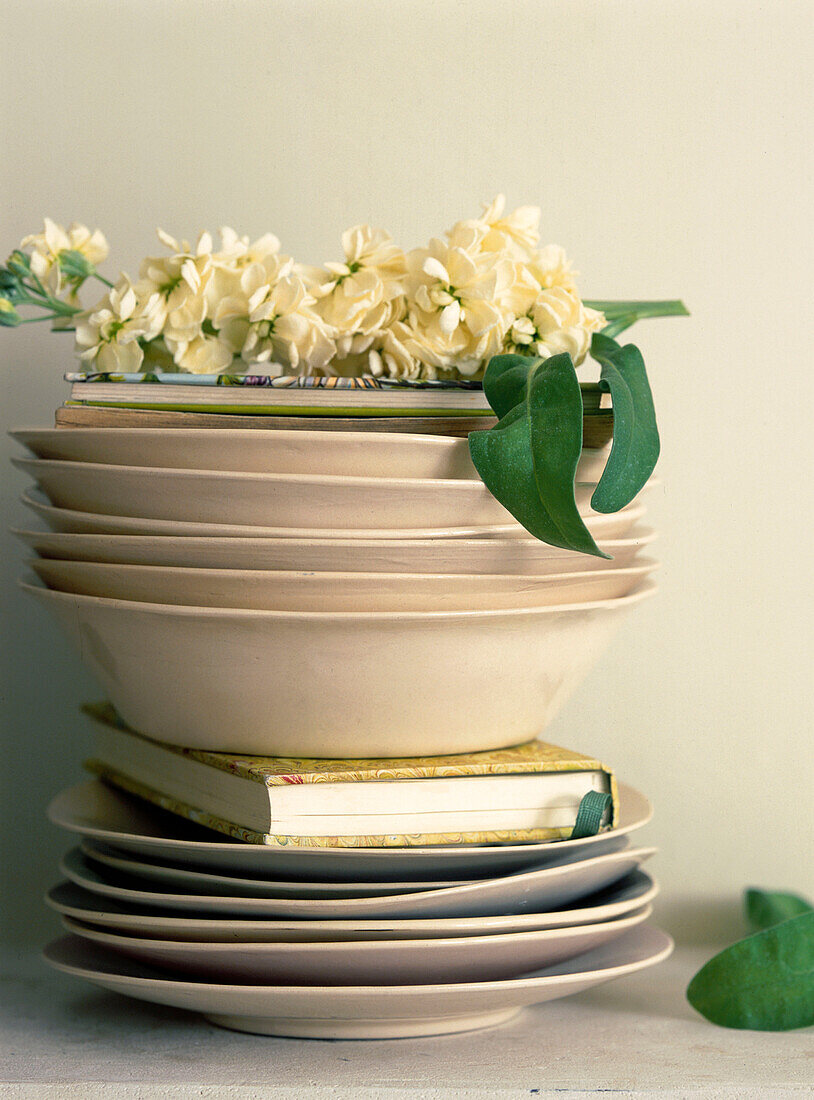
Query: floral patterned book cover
(532, 757)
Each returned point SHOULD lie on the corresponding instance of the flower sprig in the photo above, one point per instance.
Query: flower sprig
(483, 288)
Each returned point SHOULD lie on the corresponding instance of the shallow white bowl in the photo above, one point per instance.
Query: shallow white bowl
(281, 590)
(285, 683)
(541, 888)
(132, 825)
(615, 525)
(615, 902)
(351, 454)
(360, 1011)
(516, 555)
(283, 500)
(367, 962)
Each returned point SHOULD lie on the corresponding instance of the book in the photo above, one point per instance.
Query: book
(597, 428)
(300, 395)
(307, 394)
(531, 792)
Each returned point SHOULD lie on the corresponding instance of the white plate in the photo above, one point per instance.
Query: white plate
(362, 1012)
(287, 590)
(371, 962)
(614, 525)
(188, 881)
(337, 684)
(93, 809)
(619, 900)
(349, 454)
(284, 500)
(545, 888)
(504, 556)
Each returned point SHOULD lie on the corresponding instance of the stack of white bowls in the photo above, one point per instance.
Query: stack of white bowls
(345, 942)
(316, 593)
(328, 594)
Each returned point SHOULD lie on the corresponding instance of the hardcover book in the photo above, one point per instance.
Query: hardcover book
(531, 792)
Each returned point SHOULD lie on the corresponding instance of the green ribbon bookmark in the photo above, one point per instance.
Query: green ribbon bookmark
(591, 810)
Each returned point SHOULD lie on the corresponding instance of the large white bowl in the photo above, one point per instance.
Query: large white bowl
(516, 555)
(246, 450)
(283, 500)
(284, 590)
(613, 525)
(285, 683)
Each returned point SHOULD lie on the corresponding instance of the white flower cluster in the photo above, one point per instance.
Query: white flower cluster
(437, 312)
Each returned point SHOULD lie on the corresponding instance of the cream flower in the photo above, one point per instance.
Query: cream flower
(54, 240)
(557, 322)
(453, 300)
(516, 234)
(282, 327)
(180, 282)
(109, 335)
(364, 294)
(551, 267)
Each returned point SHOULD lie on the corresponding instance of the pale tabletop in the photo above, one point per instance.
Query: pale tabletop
(634, 1037)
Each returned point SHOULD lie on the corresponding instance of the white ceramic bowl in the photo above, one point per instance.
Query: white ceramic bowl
(283, 500)
(69, 520)
(279, 451)
(529, 556)
(281, 590)
(285, 683)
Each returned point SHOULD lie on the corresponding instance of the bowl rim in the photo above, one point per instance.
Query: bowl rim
(642, 566)
(418, 484)
(643, 537)
(647, 588)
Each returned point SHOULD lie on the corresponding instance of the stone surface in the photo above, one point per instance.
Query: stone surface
(631, 1038)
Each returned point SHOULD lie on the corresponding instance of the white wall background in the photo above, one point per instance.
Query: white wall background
(668, 144)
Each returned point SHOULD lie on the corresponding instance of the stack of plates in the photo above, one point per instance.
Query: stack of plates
(345, 943)
(317, 593)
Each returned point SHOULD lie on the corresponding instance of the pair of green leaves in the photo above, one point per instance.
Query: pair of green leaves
(766, 981)
(529, 459)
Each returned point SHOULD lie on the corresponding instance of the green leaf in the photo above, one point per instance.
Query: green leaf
(528, 461)
(635, 448)
(504, 381)
(765, 908)
(765, 982)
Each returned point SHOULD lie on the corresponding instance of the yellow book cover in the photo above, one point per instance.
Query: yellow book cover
(533, 757)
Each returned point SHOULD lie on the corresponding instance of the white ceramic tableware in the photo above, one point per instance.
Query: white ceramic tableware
(613, 525)
(119, 820)
(366, 962)
(613, 903)
(185, 880)
(280, 451)
(359, 1011)
(545, 888)
(506, 556)
(336, 684)
(280, 590)
(282, 500)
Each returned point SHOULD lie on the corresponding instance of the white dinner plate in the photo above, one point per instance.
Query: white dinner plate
(619, 900)
(366, 962)
(278, 451)
(281, 590)
(506, 556)
(613, 525)
(188, 881)
(337, 684)
(361, 1012)
(282, 500)
(545, 888)
(111, 816)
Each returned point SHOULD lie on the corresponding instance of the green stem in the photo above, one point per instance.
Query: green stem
(638, 309)
(102, 279)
